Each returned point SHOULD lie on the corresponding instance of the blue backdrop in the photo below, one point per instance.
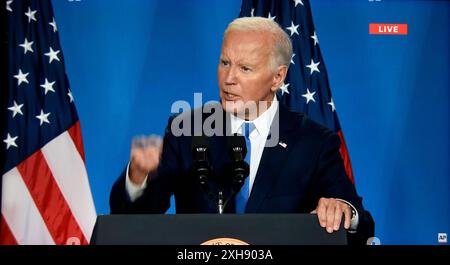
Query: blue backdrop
(128, 61)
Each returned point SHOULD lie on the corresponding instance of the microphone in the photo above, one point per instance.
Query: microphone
(240, 169)
(202, 168)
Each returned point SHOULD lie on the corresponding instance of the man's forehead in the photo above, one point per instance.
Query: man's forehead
(262, 37)
(249, 43)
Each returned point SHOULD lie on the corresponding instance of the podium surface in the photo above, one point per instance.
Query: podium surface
(197, 229)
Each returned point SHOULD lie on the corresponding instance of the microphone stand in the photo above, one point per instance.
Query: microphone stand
(220, 203)
(203, 170)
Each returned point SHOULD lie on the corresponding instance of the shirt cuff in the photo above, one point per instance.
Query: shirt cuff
(355, 218)
(134, 191)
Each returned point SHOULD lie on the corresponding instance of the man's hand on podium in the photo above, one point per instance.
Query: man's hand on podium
(329, 212)
(144, 157)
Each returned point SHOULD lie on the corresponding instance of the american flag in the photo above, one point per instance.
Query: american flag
(306, 88)
(45, 192)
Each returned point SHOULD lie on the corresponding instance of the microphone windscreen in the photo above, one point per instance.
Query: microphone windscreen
(199, 141)
(236, 141)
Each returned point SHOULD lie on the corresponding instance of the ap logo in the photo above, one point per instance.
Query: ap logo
(442, 237)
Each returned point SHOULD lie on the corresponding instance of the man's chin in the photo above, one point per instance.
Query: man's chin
(240, 109)
(233, 107)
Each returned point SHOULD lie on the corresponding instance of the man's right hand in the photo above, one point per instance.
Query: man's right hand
(144, 157)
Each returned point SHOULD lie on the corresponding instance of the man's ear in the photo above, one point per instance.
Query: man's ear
(278, 78)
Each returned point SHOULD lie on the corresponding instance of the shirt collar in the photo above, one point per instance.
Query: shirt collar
(262, 123)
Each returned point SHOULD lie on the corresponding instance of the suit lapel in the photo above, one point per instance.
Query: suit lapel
(273, 158)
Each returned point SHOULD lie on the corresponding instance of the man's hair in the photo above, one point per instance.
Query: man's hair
(282, 49)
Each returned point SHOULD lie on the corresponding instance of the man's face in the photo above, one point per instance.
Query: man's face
(244, 72)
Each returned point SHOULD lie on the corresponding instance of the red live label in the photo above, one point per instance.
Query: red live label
(388, 29)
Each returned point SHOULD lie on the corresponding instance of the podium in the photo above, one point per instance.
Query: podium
(213, 229)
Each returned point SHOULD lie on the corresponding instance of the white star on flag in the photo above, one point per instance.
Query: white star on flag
(70, 96)
(8, 5)
(16, 109)
(26, 46)
(298, 2)
(314, 37)
(309, 96)
(284, 88)
(292, 58)
(10, 141)
(21, 77)
(31, 15)
(43, 117)
(48, 86)
(52, 55)
(313, 66)
(293, 28)
(53, 24)
(331, 103)
(270, 17)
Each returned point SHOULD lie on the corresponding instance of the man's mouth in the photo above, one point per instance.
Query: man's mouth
(230, 97)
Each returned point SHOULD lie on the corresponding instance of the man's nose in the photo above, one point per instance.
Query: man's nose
(230, 78)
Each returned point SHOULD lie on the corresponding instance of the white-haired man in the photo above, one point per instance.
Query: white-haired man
(304, 173)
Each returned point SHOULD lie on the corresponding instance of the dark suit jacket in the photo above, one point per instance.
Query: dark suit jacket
(288, 180)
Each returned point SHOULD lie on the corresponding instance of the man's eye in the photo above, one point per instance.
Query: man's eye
(224, 63)
(246, 69)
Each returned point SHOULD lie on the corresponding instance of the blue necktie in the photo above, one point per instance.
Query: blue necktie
(243, 194)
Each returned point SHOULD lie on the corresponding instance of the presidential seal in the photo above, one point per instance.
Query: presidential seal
(224, 241)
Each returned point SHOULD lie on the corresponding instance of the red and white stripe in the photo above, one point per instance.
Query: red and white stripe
(46, 199)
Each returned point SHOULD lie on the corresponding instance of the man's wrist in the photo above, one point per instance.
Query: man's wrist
(134, 190)
(355, 216)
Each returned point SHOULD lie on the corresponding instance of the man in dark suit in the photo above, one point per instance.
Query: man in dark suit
(295, 165)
